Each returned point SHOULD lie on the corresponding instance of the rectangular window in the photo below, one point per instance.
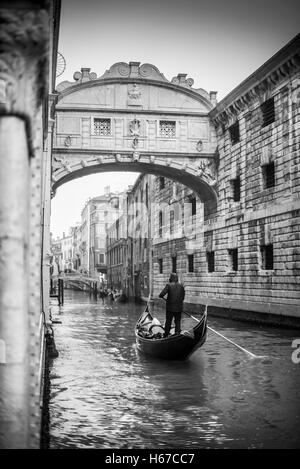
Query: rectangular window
(268, 112)
(268, 172)
(161, 183)
(102, 127)
(191, 262)
(101, 258)
(160, 224)
(194, 206)
(174, 264)
(210, 257)
(233, 259)
(167, 129)
(236, 189)
(172, 217)
(267, 261)
(160, 266)
(234, 132)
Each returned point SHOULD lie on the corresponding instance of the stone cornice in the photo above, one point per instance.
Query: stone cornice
(86, 79)
(257, 86)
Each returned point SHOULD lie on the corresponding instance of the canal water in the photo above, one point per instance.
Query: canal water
(104, 394)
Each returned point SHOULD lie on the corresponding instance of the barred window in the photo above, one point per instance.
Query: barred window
(167, 129)
(267, 260)
(268, 112)
(210, 258)
(191, 262)
(236, 189)
(268, 171)
(172, 218)
(160, 223)
(174, 264)
(234, 131)
(161, 182)
(233, 259)
(102, 127)
(160, 266)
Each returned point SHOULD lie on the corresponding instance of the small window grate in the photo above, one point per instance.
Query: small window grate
(234, 259)
(268, 112)
(268, 175)
(210, 256)
(267, 258)
(174, 264)
(102, 127)
(234, 131)
(167, 129)
(191, 262)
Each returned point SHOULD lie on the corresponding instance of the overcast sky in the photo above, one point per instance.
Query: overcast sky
(217, 43)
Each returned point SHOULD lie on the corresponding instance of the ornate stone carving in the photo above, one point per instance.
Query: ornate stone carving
(68, 141)
(134, 95)
(134, 127)
(182, 80)
(199, 146)
(84, 75)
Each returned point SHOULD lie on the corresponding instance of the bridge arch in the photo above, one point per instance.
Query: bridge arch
(133, 119)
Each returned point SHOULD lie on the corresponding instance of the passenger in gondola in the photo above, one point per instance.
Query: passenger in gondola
(174, 303)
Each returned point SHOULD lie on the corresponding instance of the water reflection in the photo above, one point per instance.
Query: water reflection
(105, 394)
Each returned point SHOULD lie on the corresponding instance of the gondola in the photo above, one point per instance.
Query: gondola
(150, 341)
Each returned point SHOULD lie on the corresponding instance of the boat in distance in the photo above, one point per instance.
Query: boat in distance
(150, 341)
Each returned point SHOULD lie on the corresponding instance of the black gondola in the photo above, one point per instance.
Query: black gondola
(150, 341)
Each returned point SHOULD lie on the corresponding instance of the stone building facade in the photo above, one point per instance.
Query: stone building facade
(246, 248)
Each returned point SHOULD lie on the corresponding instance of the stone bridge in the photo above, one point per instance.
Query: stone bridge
(133, 119)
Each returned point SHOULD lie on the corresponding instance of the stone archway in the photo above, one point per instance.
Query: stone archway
(133, 119)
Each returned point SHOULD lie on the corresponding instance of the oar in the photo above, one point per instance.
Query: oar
(252, 355)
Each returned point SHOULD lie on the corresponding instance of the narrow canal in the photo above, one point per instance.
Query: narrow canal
(104, 394)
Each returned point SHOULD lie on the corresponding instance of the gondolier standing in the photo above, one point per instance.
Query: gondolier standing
(174, 303)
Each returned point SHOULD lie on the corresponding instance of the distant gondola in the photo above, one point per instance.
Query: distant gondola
(150, 341)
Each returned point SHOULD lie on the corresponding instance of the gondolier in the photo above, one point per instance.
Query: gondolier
(174, 303)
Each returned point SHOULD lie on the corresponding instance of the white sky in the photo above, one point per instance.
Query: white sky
(217, 43)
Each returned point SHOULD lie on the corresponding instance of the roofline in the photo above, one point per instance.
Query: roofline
(279, 59)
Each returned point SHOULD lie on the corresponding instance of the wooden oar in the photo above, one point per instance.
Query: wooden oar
(252, 355)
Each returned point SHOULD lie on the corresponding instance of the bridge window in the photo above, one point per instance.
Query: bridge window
(102, 127)
(268, 112)
(160, 266)
(167, 129)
